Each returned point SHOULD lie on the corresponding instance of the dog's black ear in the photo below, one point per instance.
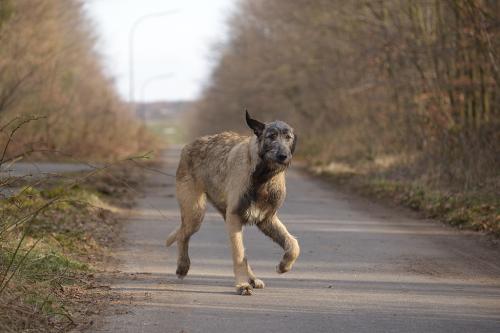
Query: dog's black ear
(294, 143)
(256, 126)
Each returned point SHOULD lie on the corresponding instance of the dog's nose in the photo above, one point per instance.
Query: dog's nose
(282, 157)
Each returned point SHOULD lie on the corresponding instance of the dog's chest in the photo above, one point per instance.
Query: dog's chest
(261, 203)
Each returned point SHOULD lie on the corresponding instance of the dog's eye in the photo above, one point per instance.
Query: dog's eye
(288, 136)
(272, 136)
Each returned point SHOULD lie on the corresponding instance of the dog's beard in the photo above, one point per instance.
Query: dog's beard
(266, 169)
(274, 166)
(281, 165)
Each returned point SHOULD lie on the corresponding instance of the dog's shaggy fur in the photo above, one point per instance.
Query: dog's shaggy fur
(244, 178)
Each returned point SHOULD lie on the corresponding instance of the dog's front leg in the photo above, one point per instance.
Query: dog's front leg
(274, 229)
(240, 266)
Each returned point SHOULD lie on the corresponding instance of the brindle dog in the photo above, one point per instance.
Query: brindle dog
(244, 178)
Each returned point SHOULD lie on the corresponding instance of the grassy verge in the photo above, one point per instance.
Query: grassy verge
(54, 237)
(172, 131)
(472, 210)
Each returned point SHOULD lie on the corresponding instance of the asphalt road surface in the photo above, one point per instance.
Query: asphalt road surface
(38, 170)
(41, 169)
(363, 268)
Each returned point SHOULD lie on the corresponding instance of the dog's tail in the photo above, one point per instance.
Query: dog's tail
(172, 238)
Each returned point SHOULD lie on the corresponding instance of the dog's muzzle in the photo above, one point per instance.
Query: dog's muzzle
(283, 159)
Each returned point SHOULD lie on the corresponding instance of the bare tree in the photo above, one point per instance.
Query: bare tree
(361, 79)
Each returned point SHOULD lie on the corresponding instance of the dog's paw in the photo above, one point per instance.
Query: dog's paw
(283, 268)
(182, 270)
(244, 289)
(257, 283)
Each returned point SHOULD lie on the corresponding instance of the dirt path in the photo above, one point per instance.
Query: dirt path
(363, 268)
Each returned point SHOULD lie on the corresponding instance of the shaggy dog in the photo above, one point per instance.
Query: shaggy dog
(244, 178)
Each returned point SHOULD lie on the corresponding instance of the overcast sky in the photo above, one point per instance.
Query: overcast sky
(172, 54)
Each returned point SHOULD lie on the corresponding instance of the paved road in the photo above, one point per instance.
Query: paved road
(363, 268)
(40, 169)
(37, 170)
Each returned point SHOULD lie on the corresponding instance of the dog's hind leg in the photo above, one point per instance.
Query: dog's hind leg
(277, 231)
(192, 202)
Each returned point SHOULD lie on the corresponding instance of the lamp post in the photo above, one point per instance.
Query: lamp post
(151, 80)
(131, 46)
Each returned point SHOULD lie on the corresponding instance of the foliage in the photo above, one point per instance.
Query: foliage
(49, 68)
(364, 79)
(54, 234)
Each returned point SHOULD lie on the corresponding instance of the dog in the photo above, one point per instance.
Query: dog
(244, 178)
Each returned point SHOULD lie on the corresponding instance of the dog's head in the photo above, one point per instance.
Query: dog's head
(276, 141)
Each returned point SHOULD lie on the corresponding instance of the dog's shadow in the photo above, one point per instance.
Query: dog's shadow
(203, 281)
(157, 282)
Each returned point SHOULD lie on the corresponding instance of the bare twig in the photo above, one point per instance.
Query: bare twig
(13, 132)
(153, 170)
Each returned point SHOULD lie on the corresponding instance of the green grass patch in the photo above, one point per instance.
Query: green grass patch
(173, 131)
(52, 234)
(41, 262)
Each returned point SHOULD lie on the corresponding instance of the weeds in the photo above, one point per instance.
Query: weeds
(53, 233)
(475, 210)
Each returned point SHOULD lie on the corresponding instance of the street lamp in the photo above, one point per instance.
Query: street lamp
(131, 46)
(151, 80)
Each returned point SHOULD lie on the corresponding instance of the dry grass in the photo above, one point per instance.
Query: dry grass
(49, 69)
(477, 209)
(48, 263)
